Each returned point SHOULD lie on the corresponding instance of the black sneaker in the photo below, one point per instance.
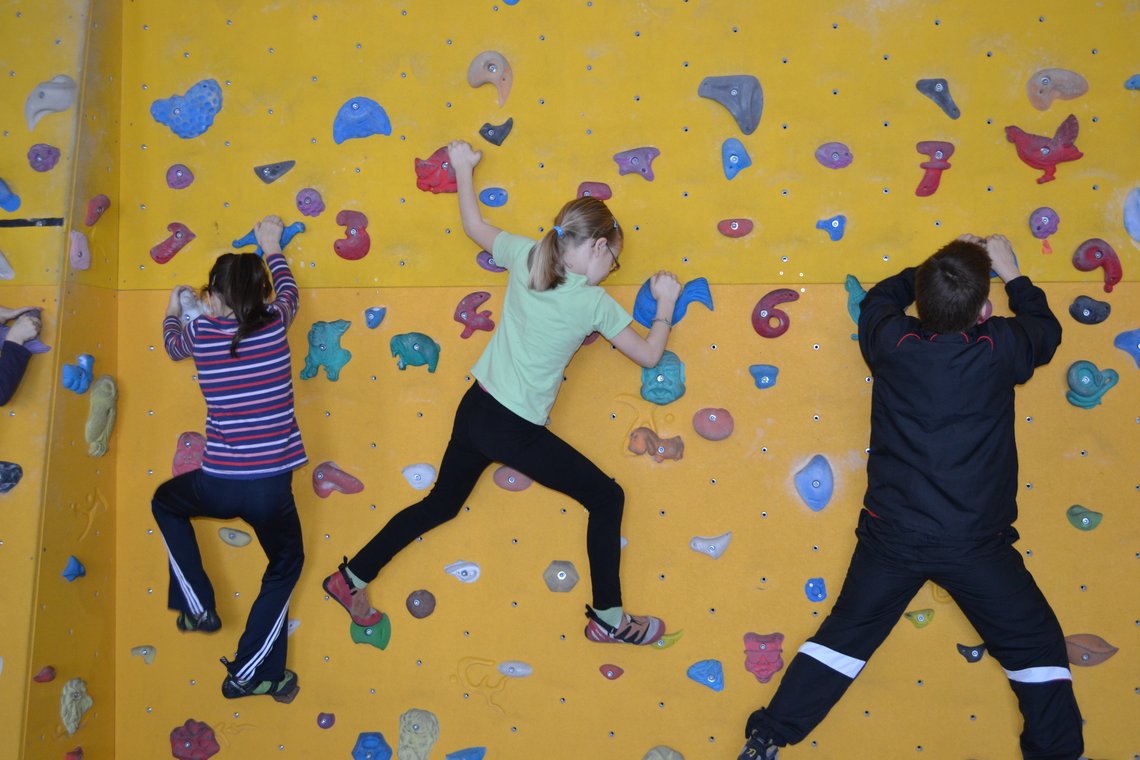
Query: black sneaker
(282, 691)
(758, 748)
(207, 622)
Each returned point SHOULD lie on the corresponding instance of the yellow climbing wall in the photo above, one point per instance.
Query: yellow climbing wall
(590, 79)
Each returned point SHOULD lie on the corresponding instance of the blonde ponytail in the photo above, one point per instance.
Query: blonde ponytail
(580, 219)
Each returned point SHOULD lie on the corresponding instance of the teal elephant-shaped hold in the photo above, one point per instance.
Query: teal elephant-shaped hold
(1087, 384)
(414, 349)
(325, 348)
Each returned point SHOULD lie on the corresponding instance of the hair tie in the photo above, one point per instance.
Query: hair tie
(559, 231)
(615, 224)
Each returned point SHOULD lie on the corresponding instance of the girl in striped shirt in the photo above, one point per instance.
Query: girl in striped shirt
(253, 445)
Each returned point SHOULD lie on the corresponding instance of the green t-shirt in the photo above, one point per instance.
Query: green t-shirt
(538, 333)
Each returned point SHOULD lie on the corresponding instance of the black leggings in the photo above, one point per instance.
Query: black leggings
(485, 431)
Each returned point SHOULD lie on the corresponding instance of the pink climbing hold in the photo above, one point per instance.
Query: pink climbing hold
(75, 754)
(356, 242)
(188, 453)
(765, 313)
(95, 208)
(1045, 153)
(327, 477)
(1094, 253)
(46, 674)
(637, 161)
(467, 314)
(434, 173)
(79, 253)
(611, 671)
(939, 152)
(193, 740)
(644, 441)
(599, 190)
(510, 479)
(734, 228)
(713, 424)
(180, 237)
(762, 655)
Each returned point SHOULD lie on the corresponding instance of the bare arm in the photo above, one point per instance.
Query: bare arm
(463, 159)
(647, 351)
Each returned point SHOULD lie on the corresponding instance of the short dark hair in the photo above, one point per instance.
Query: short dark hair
(952, 286)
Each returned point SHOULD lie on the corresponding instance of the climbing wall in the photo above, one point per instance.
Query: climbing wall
(789, 157)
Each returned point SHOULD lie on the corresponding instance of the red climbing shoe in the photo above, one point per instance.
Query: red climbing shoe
(339, 587)
(634, 629)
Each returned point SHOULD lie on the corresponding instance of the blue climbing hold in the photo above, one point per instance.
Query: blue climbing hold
(855, 295)
(510, 2)
(374, 316)
(493, 197)
(74, 569)
(9, 201)
(1132, 82)
(370, 745)
(191, 114)
(1089, 311)
(734, 157)
(815, 482)
(708, 673)
(764, 375)
(664, 383)
(1087, 384)
(77, 377)
(816, 589)
(360, 117)
(471, 753)
(833, 226)
(645, 305)
(1132, 213)
(10, 474)
(1129, 343)
(287, 234)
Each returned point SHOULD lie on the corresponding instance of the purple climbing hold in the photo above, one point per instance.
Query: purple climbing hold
(191, 114)
(637, 161)
(179, 177)
(938, 90)
(496, 133)
(1088, 310)
(1043, 222)
(43, 157)
(326, 720)
(310, 202)
(599, 190)
(10, 474)
(268, 173)
(741, 94)
(834, 155)
(487, 261)
(1129, 342)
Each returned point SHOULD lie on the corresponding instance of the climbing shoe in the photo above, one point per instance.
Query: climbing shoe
(355, 600)
(758, 748)
(207, 622)
(633, 629)
(282, 691)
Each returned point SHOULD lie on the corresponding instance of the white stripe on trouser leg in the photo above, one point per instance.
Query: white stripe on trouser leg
(1039, 675)
(837, 661)
(247, 670)
(192, 601)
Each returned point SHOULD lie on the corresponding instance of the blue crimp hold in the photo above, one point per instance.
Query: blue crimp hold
(287, 234)
(1132, 83)
(191, 114)
(815, 482)
(370, 745)
(815, 589)
(734, 156)
(1129, 343)
(833, 226)
(708, 673)
(493, 197)
(77, 377)
(471, 753)
(9, 201)
(360, 117)
(74, 569)
(374, 316)
(764, 375)
(645, 305)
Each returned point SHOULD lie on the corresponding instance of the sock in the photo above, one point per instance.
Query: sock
(611, 616)
(355, 581)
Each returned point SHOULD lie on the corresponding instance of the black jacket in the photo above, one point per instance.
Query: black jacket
(943, 460)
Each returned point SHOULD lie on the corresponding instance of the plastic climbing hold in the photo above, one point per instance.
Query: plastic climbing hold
(815, 482)
(1047, 85)
(420, 603)
(1132, 213)
(360, 117)
(667, 640)
(234, 537)
(96, 208)
(662, 752)
(938, 90)
(191, 114)
(10, 474)
(472, 753)
(270, 173)
(496, 133)
(100, 415)
(491, 67)
(356, 243)
(434, 173)
(767, 320)
(493, 197)
(815, 589)
(75, 754)
(510, 479)
(938, 153)
(74, 569)
(370, 745)
(146, 651)
(834, 155)
(77, 377)
(325, 349)
(708, 673)
(327, 478)
(599, 190)
(43, 157)
(515, 669)
(919, 618)
(855, 295)
(834, 226)
(1083, 518)
(1043, 222)
(378, 635)
(179, 177)
(309, 201)
(188, 453)
(560, 576)
(762, 655)
(467, 314)
(611, 672)
(419, 476)
(326, 720)
(1087, 384)
(1088, 649)
(664, 383)
(645, 305)
(193, 740)
(53, 96)
(1129, 342)
(414, 349)
(35, 345)
(1132, 82)
(78, 252)
(419, 731)
(1045, 153)
(741, 94)
(287, 235)
(1089, 311)
(180, 236)
(192, 307)
(637, 161)
(643, 440)
(734, 228)
(711, 546)
(9, 201)
(713, 424)
(972, 654)
(374, 315)
(462, 570)
(734, 157)
(764, 375)
(1094, 253)
(486, 261)
(291, 626)
(46, 674)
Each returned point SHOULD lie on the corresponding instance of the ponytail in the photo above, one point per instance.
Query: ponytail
(241, 281)
(581, 219)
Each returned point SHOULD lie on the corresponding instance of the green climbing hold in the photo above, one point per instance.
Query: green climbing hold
(377, 635)
(920, 618)
(1083, 518)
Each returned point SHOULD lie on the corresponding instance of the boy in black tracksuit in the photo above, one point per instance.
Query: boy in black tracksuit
(941, 496)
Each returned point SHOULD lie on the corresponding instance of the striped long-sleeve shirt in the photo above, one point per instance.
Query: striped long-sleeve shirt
(251, 428)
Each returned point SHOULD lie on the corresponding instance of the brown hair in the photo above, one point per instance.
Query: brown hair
(952, 286)
(242, 282)
(580, 219)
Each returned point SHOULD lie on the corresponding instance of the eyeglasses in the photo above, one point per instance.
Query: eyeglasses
(616, 265)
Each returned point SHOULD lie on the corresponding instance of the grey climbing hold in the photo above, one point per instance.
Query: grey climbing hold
(938, 90)
(741, 94)
(495, 134)
(268, 173)
(560, 576)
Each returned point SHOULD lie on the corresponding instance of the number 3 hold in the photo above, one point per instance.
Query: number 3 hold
(767, 320)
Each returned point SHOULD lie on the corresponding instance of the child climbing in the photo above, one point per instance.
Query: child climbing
(552, 304)
(13, 354)
(253, 445)
(941, 496)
